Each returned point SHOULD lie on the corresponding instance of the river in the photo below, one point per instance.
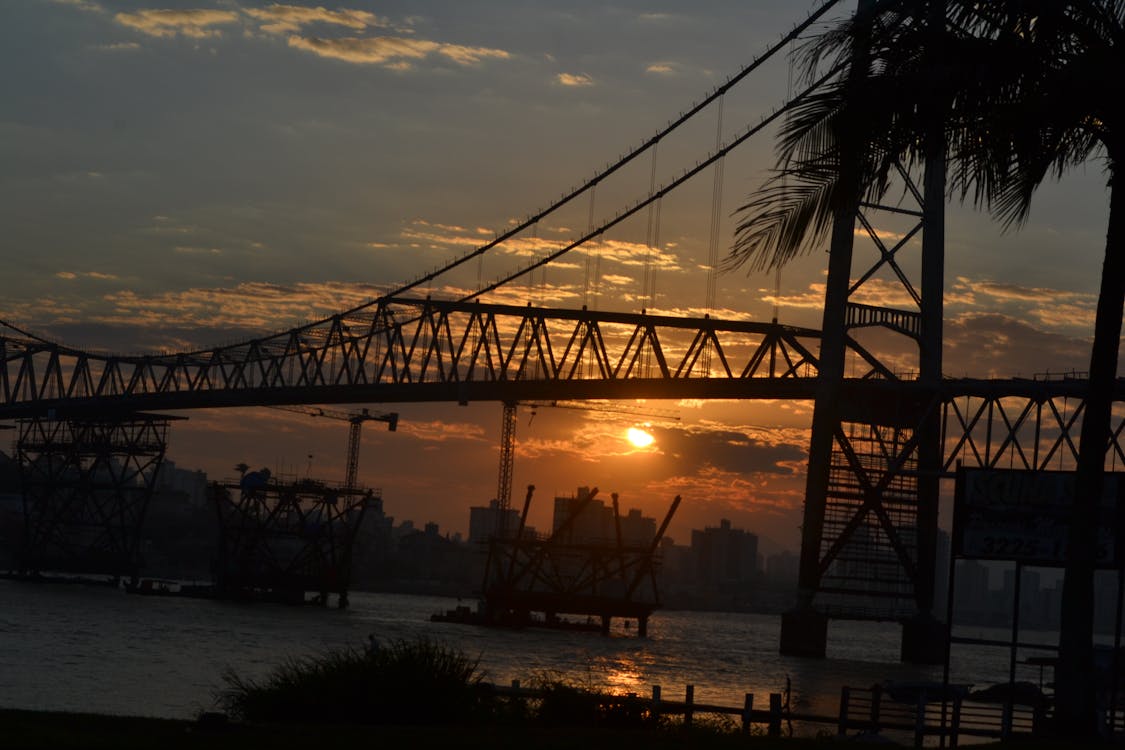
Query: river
(69, 647)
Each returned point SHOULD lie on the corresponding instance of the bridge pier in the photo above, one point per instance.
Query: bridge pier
(804, 632)
(925, 640)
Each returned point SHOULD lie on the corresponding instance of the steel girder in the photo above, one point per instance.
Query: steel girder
(413, 349)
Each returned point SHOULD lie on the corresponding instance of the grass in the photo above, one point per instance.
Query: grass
(30, 730)
(409, 682)
(42, 731)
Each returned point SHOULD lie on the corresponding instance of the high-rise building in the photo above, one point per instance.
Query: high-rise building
(485, 523)
(725, 557)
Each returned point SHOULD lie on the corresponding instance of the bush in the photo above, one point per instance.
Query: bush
(408, 682)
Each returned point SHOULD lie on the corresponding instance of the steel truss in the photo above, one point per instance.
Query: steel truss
(86, 486)
(420, 350)
(280, 540)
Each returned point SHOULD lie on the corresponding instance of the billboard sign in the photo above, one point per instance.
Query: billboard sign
(1024, 516)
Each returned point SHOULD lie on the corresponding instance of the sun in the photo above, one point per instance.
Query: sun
(639, 437)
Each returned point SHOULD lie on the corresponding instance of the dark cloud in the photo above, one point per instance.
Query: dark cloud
(991, 345)
(725, 450)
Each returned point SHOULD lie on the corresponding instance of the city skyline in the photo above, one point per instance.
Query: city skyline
(188, 173)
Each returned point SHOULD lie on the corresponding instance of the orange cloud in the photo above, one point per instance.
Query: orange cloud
(574, 79)
(283, 19)
(195, 24)
(392, 52)
(440, 431)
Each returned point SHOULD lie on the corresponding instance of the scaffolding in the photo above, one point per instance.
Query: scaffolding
(532, 580)
(282, 540)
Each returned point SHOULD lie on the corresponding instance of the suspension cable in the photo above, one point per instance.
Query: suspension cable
(756, 63)
(669, 187)
(533, 219)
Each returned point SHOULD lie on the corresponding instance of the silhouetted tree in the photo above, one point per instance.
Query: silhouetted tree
(1024, 90)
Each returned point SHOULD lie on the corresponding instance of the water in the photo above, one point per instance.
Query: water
(98, 649)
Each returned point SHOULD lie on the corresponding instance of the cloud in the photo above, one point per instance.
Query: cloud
(190, 250)
(396, 53)
(661, 68)
(284, 19)
(732, 449)
(888, 236)
(1049, 308)
(876, 291)
(574, 79)
(440, 431)
(118, 47)
(192, 318)
(195, 24)
(714, 487)
(86, 5)
(71, 275)
(993, 345)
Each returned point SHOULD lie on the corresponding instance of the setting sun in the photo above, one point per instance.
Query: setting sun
(639, 437)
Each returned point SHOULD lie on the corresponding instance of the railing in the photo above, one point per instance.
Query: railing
(911, 715)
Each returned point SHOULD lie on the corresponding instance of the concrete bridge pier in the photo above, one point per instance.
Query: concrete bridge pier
(925, 640)
(804, 632)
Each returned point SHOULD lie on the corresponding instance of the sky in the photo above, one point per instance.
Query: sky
(182, 174)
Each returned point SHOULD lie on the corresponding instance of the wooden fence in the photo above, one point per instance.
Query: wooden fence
(901, 715)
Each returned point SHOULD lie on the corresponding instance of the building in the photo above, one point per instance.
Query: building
(637, 530)
(191, 483)
(782, 570)
(486, 522)
(726, 558)
(596, 523)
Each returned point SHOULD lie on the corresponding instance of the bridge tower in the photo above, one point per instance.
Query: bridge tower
(868, 545)
(86, 486)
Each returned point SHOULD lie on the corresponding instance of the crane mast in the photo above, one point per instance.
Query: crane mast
(355, 422)
(508, 442)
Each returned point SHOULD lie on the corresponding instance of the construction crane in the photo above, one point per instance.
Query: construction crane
(508, 440)
(355, 421)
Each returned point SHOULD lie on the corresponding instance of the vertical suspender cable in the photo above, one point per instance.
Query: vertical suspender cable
(716, 223)
(531, 290)
(646, 301)
(590, 253)
(652, 243)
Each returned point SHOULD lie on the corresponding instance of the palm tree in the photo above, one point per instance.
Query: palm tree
(1025, 90)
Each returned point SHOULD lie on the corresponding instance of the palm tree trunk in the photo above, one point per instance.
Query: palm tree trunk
(1076, 697)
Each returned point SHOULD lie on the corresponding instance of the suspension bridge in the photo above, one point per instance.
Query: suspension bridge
(882, 442)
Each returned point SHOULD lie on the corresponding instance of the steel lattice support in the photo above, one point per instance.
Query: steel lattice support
(507, 463)
(86, 486)
(995, 428)
(868, 541)
(280, 540)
